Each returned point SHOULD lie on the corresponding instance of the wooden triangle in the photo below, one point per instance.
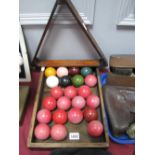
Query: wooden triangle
(55, 63)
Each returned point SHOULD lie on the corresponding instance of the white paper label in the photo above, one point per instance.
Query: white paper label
(74, 136)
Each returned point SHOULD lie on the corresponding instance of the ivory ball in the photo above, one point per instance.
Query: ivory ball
(52, 81)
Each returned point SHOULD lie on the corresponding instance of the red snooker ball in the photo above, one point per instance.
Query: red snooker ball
(91, 80)
(78, 102)
(70, 92)
(44, 116)
(58, 132)
(56, 92)
(49, 103)
(75, 115)
(90, 114)
(59, 116)
(93, 101)
(64, 103)
(95, 128)
(42, 131)
(84, 91)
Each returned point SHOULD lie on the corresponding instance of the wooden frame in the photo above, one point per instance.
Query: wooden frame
(85, 141)
(70, 63)
(82, 25)
(63, 144)
(23, 50)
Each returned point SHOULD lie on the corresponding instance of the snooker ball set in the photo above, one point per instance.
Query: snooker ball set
(64, 77)
(70, 100)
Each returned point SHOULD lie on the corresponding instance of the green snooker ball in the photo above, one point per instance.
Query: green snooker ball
(86, 71)
(77, 80)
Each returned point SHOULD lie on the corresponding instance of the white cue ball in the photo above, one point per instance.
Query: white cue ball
(52, 81)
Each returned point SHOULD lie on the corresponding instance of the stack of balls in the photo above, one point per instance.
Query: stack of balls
(70, 100)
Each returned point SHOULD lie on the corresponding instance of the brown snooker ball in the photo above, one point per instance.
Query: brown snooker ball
(74, 70)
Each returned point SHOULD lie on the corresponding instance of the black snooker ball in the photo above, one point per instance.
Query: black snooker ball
(65, 81)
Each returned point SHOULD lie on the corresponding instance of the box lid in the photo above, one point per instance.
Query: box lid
(122, 61)
(96, 62)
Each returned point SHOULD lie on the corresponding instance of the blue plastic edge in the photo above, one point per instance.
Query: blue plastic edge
(124, 139)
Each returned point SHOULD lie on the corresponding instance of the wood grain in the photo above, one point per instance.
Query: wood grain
(68, 63)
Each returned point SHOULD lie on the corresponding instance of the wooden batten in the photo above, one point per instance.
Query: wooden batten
(68, 63)
(102, 107)
(85, 30)
(69, 145)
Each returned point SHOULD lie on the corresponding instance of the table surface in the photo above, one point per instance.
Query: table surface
(115, 149)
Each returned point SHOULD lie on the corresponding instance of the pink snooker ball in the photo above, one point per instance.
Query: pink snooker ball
(62, 71)
(64, 103)
(56, 92)
(90, 80)
(44, 116)
(95, 128)
(93, 101)
(75, 115)
(84, 91)
(70, 92)
(58, 132)
(42, 131)
(78, 102)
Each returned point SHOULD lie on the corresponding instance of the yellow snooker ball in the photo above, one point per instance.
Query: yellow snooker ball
(50, 71)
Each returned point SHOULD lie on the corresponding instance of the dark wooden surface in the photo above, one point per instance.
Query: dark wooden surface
(23, 94)
(85, 140)
(69, 63)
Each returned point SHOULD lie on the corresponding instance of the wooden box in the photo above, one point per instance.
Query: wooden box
(122, 64)
(85, 140)
(122, 70)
